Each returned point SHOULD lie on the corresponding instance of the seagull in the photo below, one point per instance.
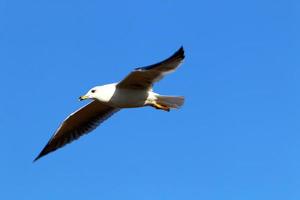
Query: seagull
(135, 90)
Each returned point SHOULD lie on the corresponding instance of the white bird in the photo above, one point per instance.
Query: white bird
(133, 91)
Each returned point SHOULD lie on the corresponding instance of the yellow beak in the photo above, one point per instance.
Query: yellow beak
(83, 98)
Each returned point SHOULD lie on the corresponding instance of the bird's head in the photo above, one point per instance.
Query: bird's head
(91, 94)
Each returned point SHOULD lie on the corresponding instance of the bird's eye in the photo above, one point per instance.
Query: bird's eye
(93, 91)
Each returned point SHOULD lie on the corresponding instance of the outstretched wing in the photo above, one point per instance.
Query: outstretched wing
(144, 77)
(81, 122)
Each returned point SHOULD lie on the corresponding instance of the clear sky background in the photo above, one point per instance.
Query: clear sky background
(237, 137)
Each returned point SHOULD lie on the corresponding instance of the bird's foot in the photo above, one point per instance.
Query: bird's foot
(160, 107)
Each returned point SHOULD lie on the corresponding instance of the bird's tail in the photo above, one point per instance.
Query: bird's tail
(170, 101)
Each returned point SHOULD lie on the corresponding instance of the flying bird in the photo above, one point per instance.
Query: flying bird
(135, 90)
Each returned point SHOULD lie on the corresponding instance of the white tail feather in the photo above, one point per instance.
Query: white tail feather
(170, 101)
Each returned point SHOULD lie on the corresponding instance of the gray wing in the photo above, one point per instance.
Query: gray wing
(144, 77)
(81, 122)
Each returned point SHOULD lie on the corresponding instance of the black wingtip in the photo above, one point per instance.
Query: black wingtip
(180, 53)
(38, 157)
(41, 154)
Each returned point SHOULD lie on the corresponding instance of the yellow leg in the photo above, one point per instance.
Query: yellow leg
(161, 107)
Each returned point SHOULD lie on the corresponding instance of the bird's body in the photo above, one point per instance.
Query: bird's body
(135, 90)
(124, 98)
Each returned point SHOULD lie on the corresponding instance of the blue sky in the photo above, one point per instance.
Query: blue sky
(237, 137)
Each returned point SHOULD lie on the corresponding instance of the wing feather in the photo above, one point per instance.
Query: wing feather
(81, 122)
(144, 77)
